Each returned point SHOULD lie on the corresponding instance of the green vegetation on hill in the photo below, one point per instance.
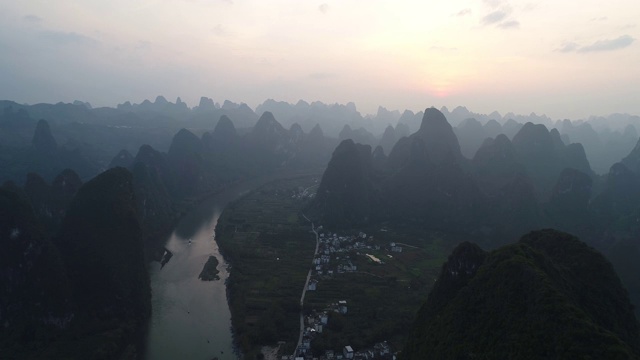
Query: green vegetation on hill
(547, 296)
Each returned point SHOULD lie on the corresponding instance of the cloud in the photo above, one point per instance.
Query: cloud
(511, 24)
(569, 47)
(32, 19)
(323, 8)
(500, 16)
(493, 3)
(463, 12)
(494, 17)
(64, 38)
(599, 46)
(609, 44)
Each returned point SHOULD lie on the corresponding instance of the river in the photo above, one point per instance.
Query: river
(191, 318)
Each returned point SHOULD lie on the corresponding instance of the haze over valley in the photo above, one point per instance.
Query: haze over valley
(380, 180)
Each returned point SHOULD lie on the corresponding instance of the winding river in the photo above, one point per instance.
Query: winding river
(190, 317)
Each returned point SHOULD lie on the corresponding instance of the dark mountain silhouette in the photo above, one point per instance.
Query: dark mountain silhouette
(619, 200)
(88, 289)
(123, 159)
(514, 209)
(185, 158)
(624, 256)
(315, 148)
(389, 138)
(154, 160)
(47, 159)
(547, 296)
(43, 140)
(471, 135)
(50, 202)
(223, 138)
(438, 136)
(495, 164)
(14, 116)
(557, 138)
(296, 136)
(603, 146)
(36, 296)
(568, 208)
(332, 117)
(346, 195)
(535, 146)
(436, 193)
(155, 208)
(458, 114)
(206, 104)
(269, 143)
(492, 128)
(378, 158)
(632, 161)
(545, 156)
(572, 191)
(407, 186)
(401, 131)
(573, 156)
(411, 120)
(384, 116)
(511, 128)
(359, 135)
(44, 157)
(39, 194)
(102, 227)
(269, 135)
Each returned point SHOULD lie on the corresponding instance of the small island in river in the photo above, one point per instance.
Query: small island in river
(210, 270)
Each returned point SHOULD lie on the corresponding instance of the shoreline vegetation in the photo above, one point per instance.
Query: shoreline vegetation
(269, 249)
(210, 270)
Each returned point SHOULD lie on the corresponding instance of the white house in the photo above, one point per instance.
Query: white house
(347, 352)
(312, 285)
(342, 306)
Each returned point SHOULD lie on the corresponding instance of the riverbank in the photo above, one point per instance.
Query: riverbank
(270, 250)
(191, 318)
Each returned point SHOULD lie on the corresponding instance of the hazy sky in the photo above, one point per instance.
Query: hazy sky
(563, 58)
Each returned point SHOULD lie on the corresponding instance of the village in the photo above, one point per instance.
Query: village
(335, 255)
(355, 292)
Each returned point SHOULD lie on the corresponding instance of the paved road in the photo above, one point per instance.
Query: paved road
(306, 284)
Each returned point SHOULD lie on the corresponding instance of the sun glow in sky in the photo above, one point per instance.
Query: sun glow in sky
(568, 59)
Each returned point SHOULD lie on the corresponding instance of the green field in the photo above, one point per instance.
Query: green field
(270, 247)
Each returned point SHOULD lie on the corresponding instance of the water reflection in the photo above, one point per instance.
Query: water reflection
(191, 318)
